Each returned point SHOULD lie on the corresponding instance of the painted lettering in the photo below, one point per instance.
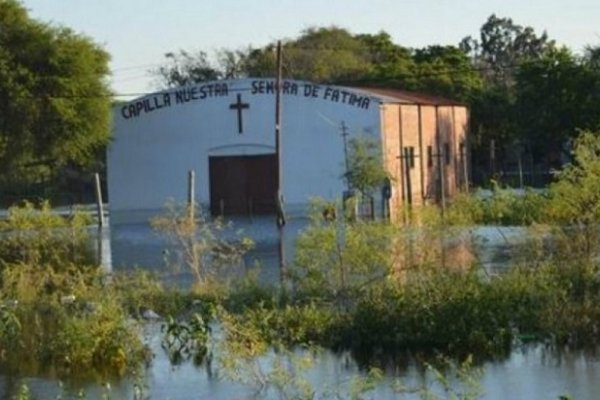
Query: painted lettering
(307, 89)
(270, 87)
(311, 90)
(344, 96)
(335, 96)
(256, 87)
(145, 105)
(167, 99)
(290, 88)
(180, 96)
(200, 92)
(352, 99)
(219, 89)
(125, 113)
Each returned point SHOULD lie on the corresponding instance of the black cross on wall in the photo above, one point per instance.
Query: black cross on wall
(239, 106)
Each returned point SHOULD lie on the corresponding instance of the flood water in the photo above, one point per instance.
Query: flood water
(531, 372)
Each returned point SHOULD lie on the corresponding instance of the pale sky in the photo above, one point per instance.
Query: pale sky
(137, 33)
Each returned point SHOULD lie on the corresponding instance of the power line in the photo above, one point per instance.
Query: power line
(136, 67)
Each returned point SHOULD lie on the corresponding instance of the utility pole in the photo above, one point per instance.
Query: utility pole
(280, 213)
(191, 200)
(99, 201)
(345, 134)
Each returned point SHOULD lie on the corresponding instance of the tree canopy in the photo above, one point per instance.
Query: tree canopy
(336, 56)
(55, 107)
(524, 91)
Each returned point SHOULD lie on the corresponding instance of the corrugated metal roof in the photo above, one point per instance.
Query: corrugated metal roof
(403, 96)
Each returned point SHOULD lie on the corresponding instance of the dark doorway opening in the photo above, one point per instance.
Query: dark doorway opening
(242, 185)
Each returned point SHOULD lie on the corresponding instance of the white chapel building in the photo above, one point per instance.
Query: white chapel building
(225, 132)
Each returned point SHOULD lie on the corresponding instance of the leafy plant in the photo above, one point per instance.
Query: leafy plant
(183, 340)
(365, 168)
(201, 242)
(36, 235)
(67, 321)
(336, 259)
(575, 198)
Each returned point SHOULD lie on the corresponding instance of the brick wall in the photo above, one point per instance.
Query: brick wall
(433, 135)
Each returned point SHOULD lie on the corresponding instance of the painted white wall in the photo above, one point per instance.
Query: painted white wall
(151, 153)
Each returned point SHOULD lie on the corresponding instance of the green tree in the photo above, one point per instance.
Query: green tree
(502, 45)
(392, 64)
(261, 62)
(185, 68)
(592, 56)
(446, 70)
(555, 96)
(328, 55)
(365, 167)
(319, 54)
(55, 101)
(575, 197)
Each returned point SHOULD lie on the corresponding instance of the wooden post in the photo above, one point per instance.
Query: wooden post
(280, 219)
(520, 170)
(401, 164)
(493, 158)
(191, 202)
(99, 205)
(345, 134)
(441, 187)
(407, 162)
(441, 168)
(465, 167)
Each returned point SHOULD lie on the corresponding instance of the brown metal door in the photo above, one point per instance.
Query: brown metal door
(242, 185)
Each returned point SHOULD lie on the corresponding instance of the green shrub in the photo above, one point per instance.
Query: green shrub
(37, 235)
(199, 240)
(70, 323)
(292, 324)
(335, 260)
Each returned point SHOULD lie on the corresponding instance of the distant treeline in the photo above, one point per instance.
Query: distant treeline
(529, 96)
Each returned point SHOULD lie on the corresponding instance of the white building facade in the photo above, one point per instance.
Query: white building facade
(225, 132)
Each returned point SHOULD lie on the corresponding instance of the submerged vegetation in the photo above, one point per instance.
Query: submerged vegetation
(58, 315)
(379, 290)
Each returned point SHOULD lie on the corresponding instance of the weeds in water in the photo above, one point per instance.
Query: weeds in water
(186, 339)
(200, 243)
(369, 287)
(65, 322)
(35, 235)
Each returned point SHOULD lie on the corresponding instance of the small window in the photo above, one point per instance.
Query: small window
(429, 156)
(461, 148)
(447, 153)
